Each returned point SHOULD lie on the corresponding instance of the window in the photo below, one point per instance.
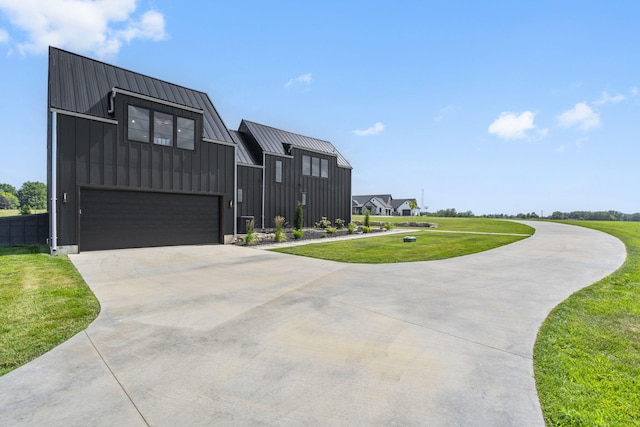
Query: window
(278, 170)
(306, 165)
(324, 168)
(162, 129)
(165, 128)
(186, 133)
(138, 124)
(315, 166)
(239, 198)
(304, 199)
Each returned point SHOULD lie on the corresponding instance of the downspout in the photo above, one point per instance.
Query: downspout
(54, 187)
(235, 193)
(264, 184)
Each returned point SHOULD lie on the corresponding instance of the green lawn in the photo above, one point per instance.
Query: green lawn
(43, 302)
(587, 355)
(429, 245)
(16, 212)
(458, 224)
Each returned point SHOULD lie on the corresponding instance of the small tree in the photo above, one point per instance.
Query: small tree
(33, 195)
(299, 216)
(367, 218)
(8, 201)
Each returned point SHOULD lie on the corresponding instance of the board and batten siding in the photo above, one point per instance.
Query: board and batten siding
(95, 154)
(325, 197)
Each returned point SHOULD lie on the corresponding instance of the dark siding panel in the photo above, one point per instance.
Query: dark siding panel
(250, 181)
(109, 138)
(66, 181)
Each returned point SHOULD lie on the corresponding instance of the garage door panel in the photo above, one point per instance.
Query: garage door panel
(129, 219)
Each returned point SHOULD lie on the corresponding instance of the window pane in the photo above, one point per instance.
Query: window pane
(315, 166)
(239, 198)
(138, 124)
(324, 168)
(186, 133)
(162, 128)
(306, 165)
(278, 171)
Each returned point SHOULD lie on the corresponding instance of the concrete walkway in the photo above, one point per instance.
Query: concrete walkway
(225, 335)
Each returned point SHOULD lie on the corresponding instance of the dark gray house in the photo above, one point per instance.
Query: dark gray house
(134, 161)
(294, 168)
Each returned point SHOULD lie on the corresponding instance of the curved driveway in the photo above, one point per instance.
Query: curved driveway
(224, 335)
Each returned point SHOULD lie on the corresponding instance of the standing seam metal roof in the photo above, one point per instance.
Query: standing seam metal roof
(83, 85)
(271, 140)
(243, 155)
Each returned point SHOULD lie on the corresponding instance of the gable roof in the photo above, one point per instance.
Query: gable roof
(82, 85)
(272, 140)
(396, 203)
(243, 155)
(386, 198)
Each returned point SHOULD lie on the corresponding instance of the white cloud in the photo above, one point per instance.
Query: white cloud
(302, 79)
(4, 36)
(513, 125)
(561, 149)
(100, 27)
(580, 116)
(608, 99)
(634, 91)
(373, 130)
(444, 112)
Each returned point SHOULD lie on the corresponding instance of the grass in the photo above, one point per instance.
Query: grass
(43, 302)
(587, 354)
(429, 245)
(486, 225)
(16, 212)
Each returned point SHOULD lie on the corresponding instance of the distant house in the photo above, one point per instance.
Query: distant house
(134, 161)
(383, 204)
(295, 168)
(376, 204)
(402, 207)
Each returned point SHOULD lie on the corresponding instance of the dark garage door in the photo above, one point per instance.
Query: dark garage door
(133, 219)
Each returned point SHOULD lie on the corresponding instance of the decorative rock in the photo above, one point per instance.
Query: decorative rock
(409, 239)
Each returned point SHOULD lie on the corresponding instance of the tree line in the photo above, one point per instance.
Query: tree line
(31, 196)
(574, 215)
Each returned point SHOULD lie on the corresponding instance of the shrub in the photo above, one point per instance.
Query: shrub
(250, 237)
(351, 228)
(279, 222)
(299, 222)
(388, 226)
(339, 223)
(25, 210)
(297, 234)
(323, 223)
(367, 218)
(366, 229)
(331, 230)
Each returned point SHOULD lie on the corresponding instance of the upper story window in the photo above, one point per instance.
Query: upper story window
(186, 133)
(165, 128)
(162, 129)
(278, 170)
(324, 168)
(138, 123)
(315, 166)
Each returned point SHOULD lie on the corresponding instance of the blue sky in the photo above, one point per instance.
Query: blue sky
(493, 107)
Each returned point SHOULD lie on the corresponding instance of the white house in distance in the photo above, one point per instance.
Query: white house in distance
(383, 204)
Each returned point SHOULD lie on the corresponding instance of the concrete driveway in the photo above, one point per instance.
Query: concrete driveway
(224, 335)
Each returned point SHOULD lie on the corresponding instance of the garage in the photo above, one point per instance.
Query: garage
(116, 219)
